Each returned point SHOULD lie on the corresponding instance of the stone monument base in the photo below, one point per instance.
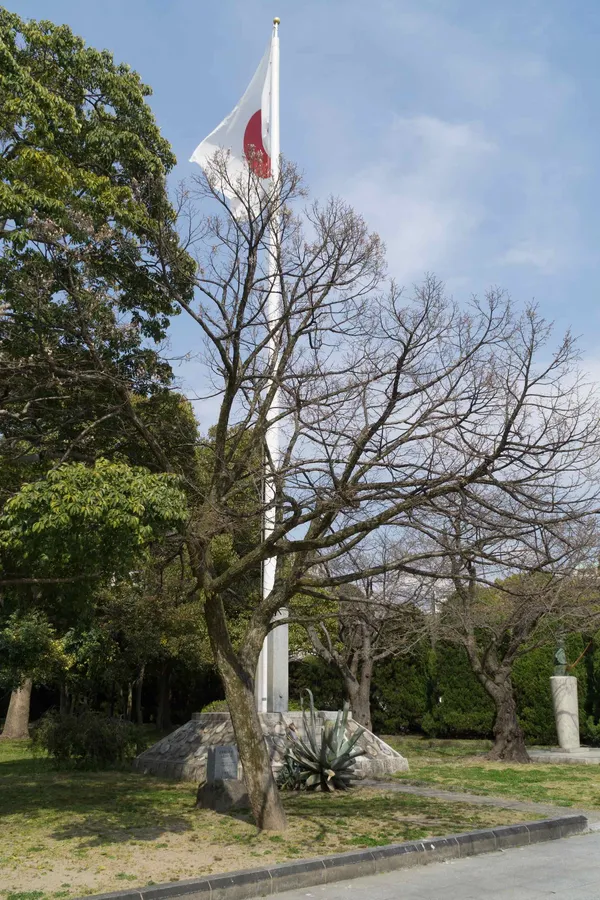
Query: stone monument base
(184, 753)
(582, 756)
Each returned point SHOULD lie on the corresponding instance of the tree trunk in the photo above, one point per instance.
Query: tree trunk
(263, 793)
(265, 801)
(163, 712)
(509, 741)
(16, 726)
(129, 709)
(64, 700)
(358, 694)
(137, 700)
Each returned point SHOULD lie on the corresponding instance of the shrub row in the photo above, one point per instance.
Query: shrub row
(435, 692)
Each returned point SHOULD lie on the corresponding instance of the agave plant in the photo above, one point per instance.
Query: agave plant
(327, 763)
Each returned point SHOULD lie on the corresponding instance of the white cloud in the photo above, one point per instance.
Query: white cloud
(479, 168)
(421, 195)
(540, 256)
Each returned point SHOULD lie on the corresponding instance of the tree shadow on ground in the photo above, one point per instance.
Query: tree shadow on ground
(93, 832)
(101, 807)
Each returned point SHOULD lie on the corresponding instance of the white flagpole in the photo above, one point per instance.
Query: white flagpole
(272, 672)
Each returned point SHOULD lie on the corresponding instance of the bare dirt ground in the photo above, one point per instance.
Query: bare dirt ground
(67, 834)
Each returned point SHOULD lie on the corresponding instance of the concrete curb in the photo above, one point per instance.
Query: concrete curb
(302, 873)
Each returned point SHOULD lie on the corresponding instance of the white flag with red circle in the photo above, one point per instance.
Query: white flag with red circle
(245, 134)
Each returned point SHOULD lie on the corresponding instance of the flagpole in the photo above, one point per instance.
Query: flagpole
(272, 673)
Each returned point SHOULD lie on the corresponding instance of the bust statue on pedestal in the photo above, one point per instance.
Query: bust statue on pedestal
(560, 658)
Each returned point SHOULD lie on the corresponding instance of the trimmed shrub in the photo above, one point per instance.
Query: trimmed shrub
(459, 705)
(216, 706)
(88, 740)
(436, 692)
(400, 693)
(531, 681)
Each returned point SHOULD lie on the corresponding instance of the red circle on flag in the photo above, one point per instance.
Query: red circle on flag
(254, 151)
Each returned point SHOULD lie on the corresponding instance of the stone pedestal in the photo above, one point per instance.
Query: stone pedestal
(184, 753)
(566, 711)
(584, 756)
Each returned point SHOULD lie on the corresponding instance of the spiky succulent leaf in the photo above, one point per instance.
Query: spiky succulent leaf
(323, 760)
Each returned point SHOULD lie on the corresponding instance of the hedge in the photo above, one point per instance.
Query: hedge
(434, 691)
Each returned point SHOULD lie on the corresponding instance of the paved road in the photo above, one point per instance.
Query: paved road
(568, 869)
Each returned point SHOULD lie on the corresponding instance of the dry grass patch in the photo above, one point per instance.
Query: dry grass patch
(65, 834)
(460, 766)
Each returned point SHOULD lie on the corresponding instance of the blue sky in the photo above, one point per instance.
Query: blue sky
(466, 132)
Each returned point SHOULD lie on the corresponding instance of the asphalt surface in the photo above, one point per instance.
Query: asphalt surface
(568, 868)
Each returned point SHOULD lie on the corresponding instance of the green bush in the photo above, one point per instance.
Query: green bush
(400, 693)
(458, 704)
(216, 706)
(531, 681)
(88, 740)
(436, 692)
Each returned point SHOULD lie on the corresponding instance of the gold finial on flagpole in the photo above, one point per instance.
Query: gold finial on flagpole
(276, 20)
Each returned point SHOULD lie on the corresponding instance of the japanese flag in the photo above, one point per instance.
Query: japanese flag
(245, 134)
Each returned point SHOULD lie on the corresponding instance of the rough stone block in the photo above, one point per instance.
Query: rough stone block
(396, 856)
(191, 889)
(572, 825)
(546, 830)
(354, 864)
(222, 796)
(439, 849)
(511, 836)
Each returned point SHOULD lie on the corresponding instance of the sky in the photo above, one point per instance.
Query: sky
(465, 132)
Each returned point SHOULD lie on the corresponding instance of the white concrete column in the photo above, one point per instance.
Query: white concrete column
(278, 667)
(566, 710)
(272, 675)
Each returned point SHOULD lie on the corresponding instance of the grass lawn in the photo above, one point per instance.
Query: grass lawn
(69, 833)
(458, 765)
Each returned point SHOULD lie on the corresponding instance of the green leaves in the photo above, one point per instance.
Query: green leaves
(29, 647)
(80, 522)
(84, 218)
(77, 130)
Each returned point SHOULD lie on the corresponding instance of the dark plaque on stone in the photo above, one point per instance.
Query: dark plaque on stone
(222, 763)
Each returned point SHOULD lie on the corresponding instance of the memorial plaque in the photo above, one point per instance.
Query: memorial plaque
(222, 763)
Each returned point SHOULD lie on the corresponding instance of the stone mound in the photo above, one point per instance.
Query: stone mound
(183, 754)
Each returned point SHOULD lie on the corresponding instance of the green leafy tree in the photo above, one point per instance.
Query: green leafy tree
(81, 523)
(84, 207)
(63, 536)
(29, 647)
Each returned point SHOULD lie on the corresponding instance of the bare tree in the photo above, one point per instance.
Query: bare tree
(387, 404)
(522, 573)
(372, 620)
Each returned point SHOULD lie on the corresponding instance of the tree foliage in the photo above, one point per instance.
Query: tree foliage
(82, 522)
(84, 208)
(29, 647)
